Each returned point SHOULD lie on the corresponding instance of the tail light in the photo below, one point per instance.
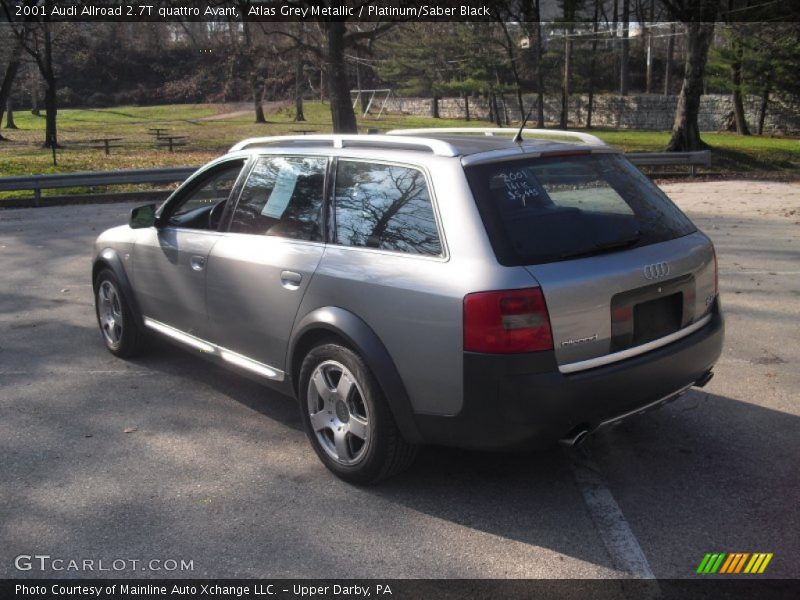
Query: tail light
(507, 322)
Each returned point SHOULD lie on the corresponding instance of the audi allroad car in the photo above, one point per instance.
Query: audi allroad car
(447, 286)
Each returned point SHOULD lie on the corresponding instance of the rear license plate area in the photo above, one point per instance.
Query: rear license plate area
(657, 318)
(648, 313)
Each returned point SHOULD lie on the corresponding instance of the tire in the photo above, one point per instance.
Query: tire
(347, 418)
(118, 326)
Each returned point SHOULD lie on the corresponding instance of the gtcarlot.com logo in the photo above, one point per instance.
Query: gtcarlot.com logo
(45, 562)
(734, 563)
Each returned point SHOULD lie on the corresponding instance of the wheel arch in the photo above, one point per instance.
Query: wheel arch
(110, 259)
(352, 332)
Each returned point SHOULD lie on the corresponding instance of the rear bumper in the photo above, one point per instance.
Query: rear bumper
(523, 400)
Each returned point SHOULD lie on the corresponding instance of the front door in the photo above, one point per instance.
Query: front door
(170, 260)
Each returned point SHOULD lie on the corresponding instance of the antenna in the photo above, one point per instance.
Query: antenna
(518, 136)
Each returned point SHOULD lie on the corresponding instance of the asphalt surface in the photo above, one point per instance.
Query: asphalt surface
(171, 457)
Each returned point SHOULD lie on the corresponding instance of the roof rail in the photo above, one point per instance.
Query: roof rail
(586, 138)
(438, 147)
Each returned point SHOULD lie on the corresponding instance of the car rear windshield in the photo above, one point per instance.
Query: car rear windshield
(556, 208)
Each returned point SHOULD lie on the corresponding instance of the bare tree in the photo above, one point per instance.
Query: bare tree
(332, 39)
(698, 17)
(14, 60)
(669, 59)
(625, 49)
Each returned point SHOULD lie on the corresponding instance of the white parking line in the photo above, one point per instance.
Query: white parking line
(608, 519)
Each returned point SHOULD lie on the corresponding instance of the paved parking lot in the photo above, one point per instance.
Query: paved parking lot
(171, 457)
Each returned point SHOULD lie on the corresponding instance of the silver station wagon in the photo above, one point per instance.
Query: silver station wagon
(460, 287)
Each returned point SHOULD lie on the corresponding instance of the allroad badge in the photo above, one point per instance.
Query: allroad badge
(656, 270)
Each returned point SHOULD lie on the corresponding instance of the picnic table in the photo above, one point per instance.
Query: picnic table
(305, 131)
(172, 141)
(157, 131)
(105, 143)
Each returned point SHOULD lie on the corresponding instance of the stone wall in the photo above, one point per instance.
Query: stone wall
(653, 112)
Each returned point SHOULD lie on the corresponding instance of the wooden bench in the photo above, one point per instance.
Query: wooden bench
(104, 144)
(172, 141)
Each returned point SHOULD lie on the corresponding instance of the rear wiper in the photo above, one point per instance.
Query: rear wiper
(601, 248)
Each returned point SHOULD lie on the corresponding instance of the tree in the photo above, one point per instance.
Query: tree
(570, 9)
(329, 41)
(14, 60)
(669, 59)
(625, 49)
(299, 63)
(593, 63)
(698, 17)
(425, 59)
(35, 35)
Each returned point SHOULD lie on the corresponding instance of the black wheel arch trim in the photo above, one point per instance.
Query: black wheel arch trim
(360, 336)
(110, 259)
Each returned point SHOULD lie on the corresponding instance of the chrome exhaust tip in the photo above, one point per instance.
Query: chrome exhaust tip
(704, 379)
(573, 440)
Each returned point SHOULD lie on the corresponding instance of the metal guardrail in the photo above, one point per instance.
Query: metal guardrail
(701, 158)
(37, 183)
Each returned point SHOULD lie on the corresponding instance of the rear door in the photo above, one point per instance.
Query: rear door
(619, 265)
(259, 270)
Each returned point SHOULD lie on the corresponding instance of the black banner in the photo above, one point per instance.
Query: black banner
(355, 10)
(287, 589)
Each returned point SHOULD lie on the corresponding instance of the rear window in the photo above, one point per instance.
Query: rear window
(549, 209)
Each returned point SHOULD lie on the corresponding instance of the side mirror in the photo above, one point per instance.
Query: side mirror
(143, 217)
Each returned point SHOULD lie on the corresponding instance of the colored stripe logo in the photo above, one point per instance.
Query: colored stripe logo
(734, 563)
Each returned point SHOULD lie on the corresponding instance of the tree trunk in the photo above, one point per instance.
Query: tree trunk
(593, 64)
(762, 112)
(435, 107)
(649, 76)
(495, 111)
(565, 84)
(668, 65)
(10, 116)
(512, 60)
(298, 90)
(8, 79)
(342, 115)
(685, 130)
(539, 73)
(361, 97)
(736, 82)
(626, 49)
(50, 99)
(466, 106)
(257, 88)
(51, 109)
(35, 98)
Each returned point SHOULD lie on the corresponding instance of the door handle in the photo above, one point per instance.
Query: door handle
(198, 262)
(291, 280)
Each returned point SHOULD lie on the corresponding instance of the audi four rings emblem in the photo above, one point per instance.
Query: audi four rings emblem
(656, 270)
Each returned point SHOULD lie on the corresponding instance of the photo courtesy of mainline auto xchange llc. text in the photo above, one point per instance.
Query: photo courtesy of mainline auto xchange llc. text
(339, 299)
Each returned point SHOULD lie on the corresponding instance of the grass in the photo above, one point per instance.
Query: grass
(730, 153)
(210, 136)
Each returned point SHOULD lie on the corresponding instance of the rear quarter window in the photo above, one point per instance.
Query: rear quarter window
(548, 209)
(384, 206)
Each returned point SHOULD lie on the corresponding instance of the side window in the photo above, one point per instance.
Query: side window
(283, 196)
(193, 209)
(384, 206)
